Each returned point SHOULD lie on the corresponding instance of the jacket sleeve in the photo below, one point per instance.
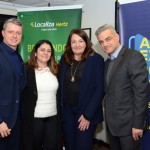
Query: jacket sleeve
(95, 101)
(139, 78)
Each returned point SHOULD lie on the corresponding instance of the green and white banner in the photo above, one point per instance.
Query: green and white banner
(51, 23)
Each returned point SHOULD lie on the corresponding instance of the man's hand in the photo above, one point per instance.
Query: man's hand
(137, 134)
(4, 130)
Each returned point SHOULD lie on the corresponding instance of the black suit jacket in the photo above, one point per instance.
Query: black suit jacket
(30, 96)
(126, 96)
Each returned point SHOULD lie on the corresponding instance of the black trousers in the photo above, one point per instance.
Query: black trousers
(13, 140)
(45, 133)
(123, 142)
(74, 139)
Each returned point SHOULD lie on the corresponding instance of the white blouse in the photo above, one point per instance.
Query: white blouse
(47, 86)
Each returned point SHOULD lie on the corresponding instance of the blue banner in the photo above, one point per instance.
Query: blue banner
(134, 31)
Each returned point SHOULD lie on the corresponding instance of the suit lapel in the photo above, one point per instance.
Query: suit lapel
(86, 74)
(115, 65)
(31, 80)
(105, 72)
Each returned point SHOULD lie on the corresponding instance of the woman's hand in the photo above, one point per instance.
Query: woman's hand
(83, 123)
(4, 130)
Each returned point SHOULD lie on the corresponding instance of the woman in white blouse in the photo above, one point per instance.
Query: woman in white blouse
(41, 122)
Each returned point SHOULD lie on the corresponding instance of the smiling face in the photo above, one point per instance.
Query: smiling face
(43, 54)
(12, 35)
(109, 41)
(78, 46)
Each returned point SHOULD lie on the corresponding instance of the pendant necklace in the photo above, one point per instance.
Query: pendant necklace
(73, 73)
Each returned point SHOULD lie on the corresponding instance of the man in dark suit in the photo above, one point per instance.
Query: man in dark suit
(126, 91)
(12, 82)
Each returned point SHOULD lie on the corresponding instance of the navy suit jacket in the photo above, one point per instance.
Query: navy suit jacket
(9, 88)
(91, 88)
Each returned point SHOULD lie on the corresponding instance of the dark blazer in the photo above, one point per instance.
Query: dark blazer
(9, 82)
(91, 88)
(126, 96)
(30, 96)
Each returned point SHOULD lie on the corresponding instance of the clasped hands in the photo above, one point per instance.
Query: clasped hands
(4, 130)
(83, 123)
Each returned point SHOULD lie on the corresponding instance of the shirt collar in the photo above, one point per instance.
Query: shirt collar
(115, 54)
(9, 49)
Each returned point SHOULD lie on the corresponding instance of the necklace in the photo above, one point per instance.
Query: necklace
(75, 70)
(42, 70)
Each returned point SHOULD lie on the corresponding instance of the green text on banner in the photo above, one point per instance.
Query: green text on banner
(51, 23)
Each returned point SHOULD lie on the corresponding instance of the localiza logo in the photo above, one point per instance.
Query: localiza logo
(42, 24)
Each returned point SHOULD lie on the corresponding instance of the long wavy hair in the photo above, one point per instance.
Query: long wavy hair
(68, 53)
(52, 64)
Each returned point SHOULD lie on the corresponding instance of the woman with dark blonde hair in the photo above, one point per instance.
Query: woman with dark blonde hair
(41, 122)
(81, 91)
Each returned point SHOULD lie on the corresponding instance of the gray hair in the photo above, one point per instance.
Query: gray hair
(105, 27)
(12, 20)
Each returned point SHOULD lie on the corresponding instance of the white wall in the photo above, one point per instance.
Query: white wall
(7, 11)
(95, 13)
(9, 8)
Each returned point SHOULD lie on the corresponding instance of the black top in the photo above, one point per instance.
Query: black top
(71, 88)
